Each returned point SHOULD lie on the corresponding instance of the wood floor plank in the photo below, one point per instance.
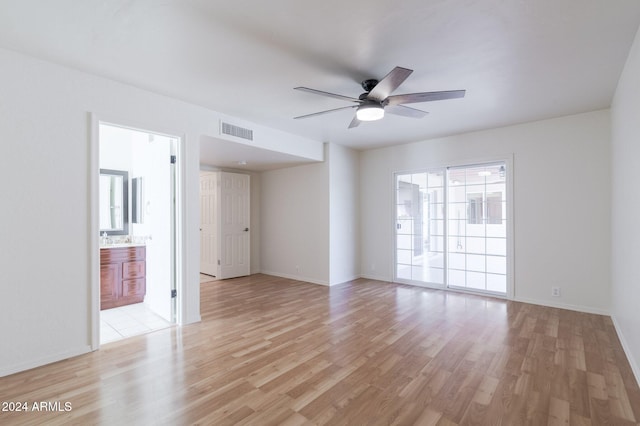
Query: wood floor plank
(271, 350)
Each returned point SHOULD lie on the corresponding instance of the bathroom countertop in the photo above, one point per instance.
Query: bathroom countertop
(120, 245)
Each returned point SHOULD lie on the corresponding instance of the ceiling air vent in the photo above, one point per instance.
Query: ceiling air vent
(235, 131)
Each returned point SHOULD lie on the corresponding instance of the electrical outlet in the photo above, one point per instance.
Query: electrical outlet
(555, 291)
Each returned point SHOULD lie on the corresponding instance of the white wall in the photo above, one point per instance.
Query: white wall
(344, 212)
(625, 230)
(46, 238)
(310, 219)
(117, 152)
(561, 206)
(295, 223)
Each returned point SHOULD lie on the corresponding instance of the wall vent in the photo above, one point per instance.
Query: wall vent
(235, 131)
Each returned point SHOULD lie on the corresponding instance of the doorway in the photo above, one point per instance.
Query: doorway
(138, 260)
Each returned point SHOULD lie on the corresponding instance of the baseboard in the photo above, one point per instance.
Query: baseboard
(375, 278)
(39, 362)
(577, 308)
(296, 278)
(627, 351)
(348, 280)
(568, 306)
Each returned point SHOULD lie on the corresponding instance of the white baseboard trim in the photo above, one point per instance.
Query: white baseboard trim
(375, 278)
(577, 308)
(296, 278)
(627, 351)
(348, 280)
(39, 362)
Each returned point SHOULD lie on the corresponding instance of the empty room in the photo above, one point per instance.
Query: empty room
(342, 213)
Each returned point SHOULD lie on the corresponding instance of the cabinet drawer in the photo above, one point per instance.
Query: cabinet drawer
(133, 269)
(134, 287)
(122, 254)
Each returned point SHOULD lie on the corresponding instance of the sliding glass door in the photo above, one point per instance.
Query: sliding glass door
(451, 228)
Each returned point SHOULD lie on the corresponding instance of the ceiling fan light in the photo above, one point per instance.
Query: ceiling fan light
(370, 112)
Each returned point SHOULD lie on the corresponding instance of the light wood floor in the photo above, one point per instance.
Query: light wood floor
(276, 351)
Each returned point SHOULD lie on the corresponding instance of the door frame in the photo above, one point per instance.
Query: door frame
(178, 225)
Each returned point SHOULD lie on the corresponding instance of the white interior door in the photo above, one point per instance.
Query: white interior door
(158, 225)
(208, 223)
(234, 225)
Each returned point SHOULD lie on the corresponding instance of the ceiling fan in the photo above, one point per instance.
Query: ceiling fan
(377, 98)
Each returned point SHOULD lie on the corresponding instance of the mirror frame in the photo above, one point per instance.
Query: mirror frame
(125, 201)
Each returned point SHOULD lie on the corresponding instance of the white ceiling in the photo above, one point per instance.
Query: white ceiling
(519, 60)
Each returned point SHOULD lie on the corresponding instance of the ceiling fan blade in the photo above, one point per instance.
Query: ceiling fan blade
(388, 84)
(330, 95)
(411, 98)
(405, 111)
(325, 112)
(354, 123)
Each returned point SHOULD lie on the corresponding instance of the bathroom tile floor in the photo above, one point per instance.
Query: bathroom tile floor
(127, 321)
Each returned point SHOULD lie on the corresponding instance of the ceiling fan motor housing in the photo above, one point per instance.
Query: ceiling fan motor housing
(369, 84)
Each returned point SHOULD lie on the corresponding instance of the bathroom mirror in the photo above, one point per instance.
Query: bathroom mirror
(114, 202)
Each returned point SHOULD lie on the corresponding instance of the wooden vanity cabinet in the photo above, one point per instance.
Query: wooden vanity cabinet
(122, 276)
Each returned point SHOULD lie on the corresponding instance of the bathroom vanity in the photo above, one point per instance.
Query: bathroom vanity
(122, 275)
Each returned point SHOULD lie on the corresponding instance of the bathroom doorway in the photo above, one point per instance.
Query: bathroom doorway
(138, 232)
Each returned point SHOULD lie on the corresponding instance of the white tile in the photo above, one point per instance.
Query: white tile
(108, 334)
(129, 320)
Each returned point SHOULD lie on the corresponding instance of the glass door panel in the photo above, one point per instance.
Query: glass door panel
(477, 248)
(420, 227)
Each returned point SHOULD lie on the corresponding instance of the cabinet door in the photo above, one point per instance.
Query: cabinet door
(110, 280)
(134, 289)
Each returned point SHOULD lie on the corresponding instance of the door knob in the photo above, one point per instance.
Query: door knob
(246, 229)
